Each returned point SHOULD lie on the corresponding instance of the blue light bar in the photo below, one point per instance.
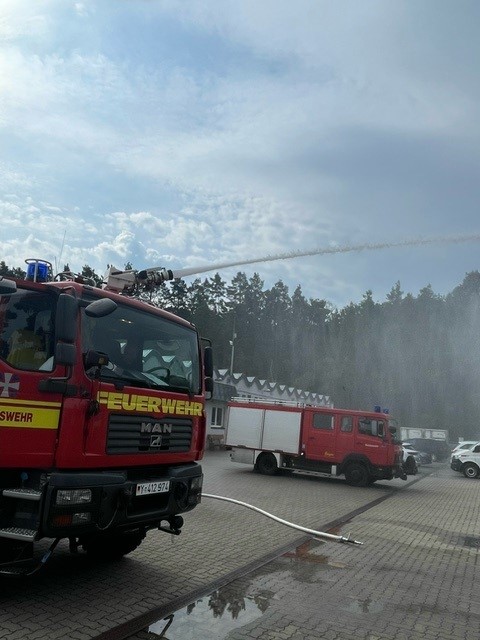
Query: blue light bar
(38, 270)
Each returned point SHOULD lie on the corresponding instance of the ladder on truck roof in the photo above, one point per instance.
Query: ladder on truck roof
(272, 401)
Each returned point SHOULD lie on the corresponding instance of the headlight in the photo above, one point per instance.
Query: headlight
(73, 496)
(196, 483)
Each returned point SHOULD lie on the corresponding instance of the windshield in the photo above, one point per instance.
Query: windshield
(27, 320)
(394, 430)
(145, 350)
(371, 427)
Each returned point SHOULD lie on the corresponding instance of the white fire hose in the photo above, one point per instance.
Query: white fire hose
(316, 534)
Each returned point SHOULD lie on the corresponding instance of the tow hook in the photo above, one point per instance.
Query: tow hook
(175, 526)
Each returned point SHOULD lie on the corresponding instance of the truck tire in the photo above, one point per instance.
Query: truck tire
(266, 464)
(108, 548)
(356, 474)
(470, 470)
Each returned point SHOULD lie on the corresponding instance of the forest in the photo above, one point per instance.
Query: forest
(419, 356)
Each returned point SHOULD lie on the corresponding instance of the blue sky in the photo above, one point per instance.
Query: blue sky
(181, 133)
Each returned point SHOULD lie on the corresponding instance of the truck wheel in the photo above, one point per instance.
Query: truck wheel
(108, 548)
(266, 464)
(470, 470)
(356, 474)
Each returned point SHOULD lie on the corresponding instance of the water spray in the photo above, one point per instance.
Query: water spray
(148, 279)
(474, 237)
(318, 535)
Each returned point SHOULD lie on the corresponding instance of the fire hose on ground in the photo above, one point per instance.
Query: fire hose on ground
(319, 535)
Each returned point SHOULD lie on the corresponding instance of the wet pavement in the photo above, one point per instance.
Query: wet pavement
(416, 577)
(235, 574)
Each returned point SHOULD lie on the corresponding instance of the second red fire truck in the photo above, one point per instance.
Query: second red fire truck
(359, 445)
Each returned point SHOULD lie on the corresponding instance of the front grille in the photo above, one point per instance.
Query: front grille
(137, 434)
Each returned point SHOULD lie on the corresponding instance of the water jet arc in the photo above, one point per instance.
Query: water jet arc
(412, 242)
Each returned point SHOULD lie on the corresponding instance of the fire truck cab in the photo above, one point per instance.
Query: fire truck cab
(102, 419)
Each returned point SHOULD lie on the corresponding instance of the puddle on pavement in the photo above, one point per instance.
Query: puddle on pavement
(245, 600)
(211, 618)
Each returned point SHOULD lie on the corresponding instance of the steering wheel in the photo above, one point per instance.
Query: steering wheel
(158, 368)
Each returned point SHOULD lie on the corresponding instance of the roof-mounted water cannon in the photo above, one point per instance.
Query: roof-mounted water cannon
(129, 281)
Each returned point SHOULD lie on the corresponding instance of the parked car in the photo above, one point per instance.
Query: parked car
(422, 457)
(461, 446)
(409, 449)
(467, 461)
(410, 462)
(438, 449)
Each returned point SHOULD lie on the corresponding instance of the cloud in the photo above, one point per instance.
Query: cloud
(221, 130)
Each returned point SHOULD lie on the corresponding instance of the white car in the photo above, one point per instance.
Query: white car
(411, 459)
(461, 446)
(409, 450)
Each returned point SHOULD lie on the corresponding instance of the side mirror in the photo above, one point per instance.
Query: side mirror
(66, 318)
(209, 387)
(100, 308)
(7, 287)
(208, 362)
(65, 354)
(95, 359)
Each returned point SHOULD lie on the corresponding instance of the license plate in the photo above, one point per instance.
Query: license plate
(147, 488)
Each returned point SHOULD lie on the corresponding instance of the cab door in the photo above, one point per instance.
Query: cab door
(29, 417)
(319, 435)
(370, 439)
(345, 442)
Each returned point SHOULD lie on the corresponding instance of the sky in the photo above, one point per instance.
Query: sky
(184, 133)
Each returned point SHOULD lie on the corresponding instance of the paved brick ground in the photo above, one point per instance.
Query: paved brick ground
(416, 578)
(78, 600)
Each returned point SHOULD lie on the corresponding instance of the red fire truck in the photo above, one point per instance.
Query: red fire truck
(102, 419)
(360, 445)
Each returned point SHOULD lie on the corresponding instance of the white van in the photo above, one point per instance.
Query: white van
(461, 446)
(467, 461)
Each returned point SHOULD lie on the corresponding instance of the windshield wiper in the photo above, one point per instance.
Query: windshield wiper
(117, 376)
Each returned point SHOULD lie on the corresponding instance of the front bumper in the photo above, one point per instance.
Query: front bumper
(114, 503)
(456, 464)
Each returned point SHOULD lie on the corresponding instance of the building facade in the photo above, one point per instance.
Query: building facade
(227, 386)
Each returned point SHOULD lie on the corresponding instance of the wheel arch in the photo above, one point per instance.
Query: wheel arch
(277, 455)
(358, 458)
(268, 463)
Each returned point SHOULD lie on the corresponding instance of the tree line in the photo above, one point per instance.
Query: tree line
(417, 355)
